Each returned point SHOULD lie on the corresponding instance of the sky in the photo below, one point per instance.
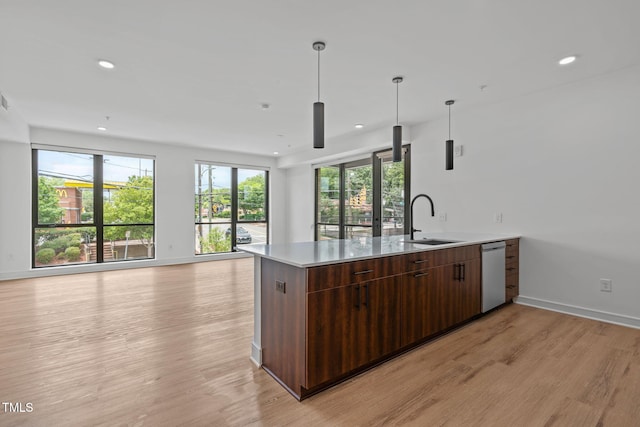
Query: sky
(78, 166)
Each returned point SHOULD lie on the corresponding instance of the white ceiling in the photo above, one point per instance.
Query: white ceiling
(196, 72)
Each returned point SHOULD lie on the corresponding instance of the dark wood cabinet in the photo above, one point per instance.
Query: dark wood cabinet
(512, 269)
(423, 295)
(438, 298)
(351, 326)
(322, 324)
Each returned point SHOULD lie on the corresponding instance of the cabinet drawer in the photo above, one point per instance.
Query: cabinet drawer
(334, 275)
(415, 261)
(512, 249)
(511, 276)
(453, 255)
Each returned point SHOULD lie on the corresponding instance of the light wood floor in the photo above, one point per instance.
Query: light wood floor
(170, 346)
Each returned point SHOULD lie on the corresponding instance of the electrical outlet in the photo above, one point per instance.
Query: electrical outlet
(281, 286)
(457, 151)
(497, 217)
(442, 216)
(605, 285)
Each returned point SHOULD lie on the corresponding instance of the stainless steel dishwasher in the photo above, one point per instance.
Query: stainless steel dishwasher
(493, 290)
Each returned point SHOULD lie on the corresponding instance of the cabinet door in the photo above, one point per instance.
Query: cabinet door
(469, 296)
(460, 297)
(381, 327)
(351, 326)
(422, 296)
(446, 304)
(333, 330)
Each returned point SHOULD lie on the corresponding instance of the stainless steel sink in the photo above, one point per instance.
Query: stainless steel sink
(431, 241)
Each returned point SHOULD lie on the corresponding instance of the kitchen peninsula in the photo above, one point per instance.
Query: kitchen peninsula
(327, 310)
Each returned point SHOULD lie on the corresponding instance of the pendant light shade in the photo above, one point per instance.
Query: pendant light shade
(318, 124)
(448, 145)
(397, 129)
(318, 107)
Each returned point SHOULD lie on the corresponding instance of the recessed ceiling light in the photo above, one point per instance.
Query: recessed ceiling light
(567, 60)
(275, 153)
(106, 64)
(359, 126)
(102, 128)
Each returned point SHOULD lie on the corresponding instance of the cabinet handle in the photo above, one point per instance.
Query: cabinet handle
(420, 261)
(463, 270)
(511, 268)
(363, 272)
(357, 288)
(366, 296)
(511, 256)
(420, 274)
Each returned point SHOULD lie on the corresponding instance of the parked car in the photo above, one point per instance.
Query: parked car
(242, 235)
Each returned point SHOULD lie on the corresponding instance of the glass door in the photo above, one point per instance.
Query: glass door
(392, 187)
(363, 198)
(358, 199)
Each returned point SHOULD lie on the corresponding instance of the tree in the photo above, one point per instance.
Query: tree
(215, 241)
(251, 199)
(131, 204)
(393, 188)
(49, 210)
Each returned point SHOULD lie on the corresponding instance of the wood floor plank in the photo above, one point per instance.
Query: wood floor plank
(170, 346)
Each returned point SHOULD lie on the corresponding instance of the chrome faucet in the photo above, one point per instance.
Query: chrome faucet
(433, 212)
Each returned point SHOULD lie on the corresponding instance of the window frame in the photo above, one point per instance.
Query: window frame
(234, 221)
(98, 204)
(376, 161)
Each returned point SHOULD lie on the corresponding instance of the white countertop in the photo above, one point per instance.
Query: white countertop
(310, 254)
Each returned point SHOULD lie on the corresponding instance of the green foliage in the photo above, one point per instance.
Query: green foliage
(72, 253)
(45, 256)
(48, 234)
(87, 206)
(251, 196)
(329, 195)
(132, 204)
(215, 241)
(49, 211)
(58, 244)
(393, 188)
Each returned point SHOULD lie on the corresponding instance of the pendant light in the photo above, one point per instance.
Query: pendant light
(318, 107)
(449, 143)
(397, 129)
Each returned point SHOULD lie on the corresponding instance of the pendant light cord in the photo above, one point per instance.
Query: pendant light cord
(449, 121)
(397, 103)
(318, 75)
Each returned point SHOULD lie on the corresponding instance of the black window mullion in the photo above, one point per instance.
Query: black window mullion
(98, 205)
(407, 188)
(234, 206)
(377, 195)
(35, 197)
(266, 202)
(341, 208)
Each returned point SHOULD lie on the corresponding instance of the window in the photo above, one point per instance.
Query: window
(91, 208)
(230, 206)
(363, 198)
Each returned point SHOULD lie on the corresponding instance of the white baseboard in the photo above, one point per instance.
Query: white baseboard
(589, 313)
(256, 354)
(89, 268)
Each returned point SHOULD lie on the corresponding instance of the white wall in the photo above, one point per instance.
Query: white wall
(560, 165)
(300, 195)
(174, 198)
(15, 158)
